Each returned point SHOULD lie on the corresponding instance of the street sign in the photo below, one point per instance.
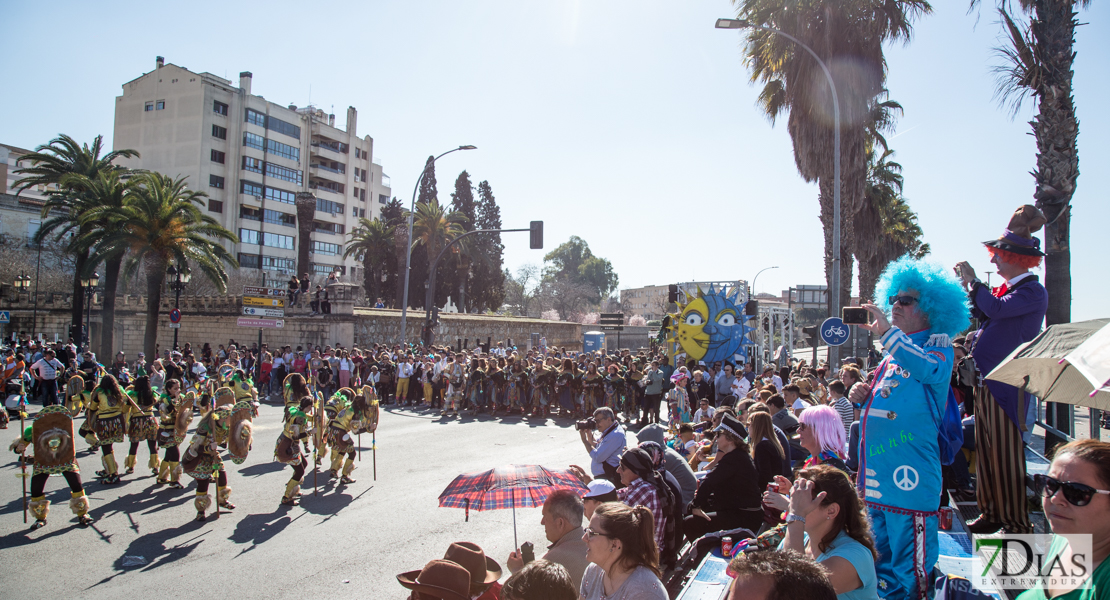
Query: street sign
(834, 332)
(264, 323)
(175, 325)
(268, 302)
(5, 316)
(263, 312)
(262, 291)
(611, 319)
(612, 327)
(175, 316)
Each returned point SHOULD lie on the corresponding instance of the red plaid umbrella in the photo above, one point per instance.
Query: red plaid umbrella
(526, 486)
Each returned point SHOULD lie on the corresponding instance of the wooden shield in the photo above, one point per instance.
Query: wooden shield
(225, 372)
(184, 415)
(286, 449)
(52, 435)
(224, 397)
(240, 432)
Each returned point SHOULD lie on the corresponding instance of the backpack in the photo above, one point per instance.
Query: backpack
(950, 430)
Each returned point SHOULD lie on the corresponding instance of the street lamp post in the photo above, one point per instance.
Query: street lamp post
(20, 283)
(89, 284)
(178, 279)
(751, 292)
(834, 279)
(408, 247)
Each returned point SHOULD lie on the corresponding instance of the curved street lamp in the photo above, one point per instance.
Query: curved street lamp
(834, 279)
(754, 279)
(408, 248)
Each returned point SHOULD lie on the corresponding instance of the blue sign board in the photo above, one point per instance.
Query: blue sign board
(834, 332)
(5, 316)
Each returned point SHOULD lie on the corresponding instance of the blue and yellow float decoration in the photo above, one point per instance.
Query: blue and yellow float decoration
(711, 326)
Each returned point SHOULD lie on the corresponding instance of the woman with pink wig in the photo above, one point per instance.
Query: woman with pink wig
(821, 432)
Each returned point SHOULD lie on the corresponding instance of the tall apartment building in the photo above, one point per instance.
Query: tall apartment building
(252, 157)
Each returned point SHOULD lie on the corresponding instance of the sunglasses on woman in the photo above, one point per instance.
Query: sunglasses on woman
(590, 533)
(1077, 494)
(903, 300)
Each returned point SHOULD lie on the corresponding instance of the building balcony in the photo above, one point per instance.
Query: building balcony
(341, 170)
(315, 187)
(321, 147)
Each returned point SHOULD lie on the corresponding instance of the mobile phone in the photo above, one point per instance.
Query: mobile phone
(854, 315)
(526, 552)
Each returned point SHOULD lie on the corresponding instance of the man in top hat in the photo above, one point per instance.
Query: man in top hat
(1009, 315)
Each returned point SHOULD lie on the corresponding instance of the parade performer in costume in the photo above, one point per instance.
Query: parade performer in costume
(52, 438)
(202, 461)
(175, 413)
(1009, 315)
(108, 403)
(78, 397)
(361, 415)
(288, 448)
(678, 401)
(456, 384)
(295, 390)
(243, 386)
(335, 405)
(143, 425)
(899, 453)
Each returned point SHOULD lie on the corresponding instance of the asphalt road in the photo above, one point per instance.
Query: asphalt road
(345, 542)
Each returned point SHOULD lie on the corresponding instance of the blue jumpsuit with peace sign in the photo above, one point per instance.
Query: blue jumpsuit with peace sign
(900, 477)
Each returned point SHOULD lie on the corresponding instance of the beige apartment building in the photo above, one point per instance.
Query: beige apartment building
(252, 156)
(20, 217)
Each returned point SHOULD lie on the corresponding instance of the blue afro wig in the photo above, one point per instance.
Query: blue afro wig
(941, 297)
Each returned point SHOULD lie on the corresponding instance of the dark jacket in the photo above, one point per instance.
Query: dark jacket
(768, 463)
(731, 487)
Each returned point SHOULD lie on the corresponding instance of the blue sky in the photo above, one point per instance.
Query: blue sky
(631, 125)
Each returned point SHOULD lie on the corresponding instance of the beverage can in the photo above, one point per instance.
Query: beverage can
(726, 546)
(773, 487)
(945, 518)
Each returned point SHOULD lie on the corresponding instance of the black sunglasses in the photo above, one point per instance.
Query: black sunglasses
(1077, 494)
(903, 300)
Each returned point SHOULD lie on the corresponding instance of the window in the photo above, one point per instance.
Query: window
(328, 206)
(248, 236)
(325, 248)
(216, 181)
(333, 228)
(284, 173)
(249, 261)
(364, 178)
(280, 195)
(383, 199)
(218, 157)
(279, 218)
(248, 213)
(160, 105)
(149, 107)
(362, 213)
(327, 269)
(254, 141)
(273, 263)
(283, 128)
(254, 165)
(219, 108)
(219, 132)
(275, 240)
(216, 206)
(354, 211)
(283, 150)
(362, 195)
(250, 188)
(256, 118)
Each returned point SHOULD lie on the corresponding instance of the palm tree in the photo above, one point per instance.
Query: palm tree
(160, 225)
(372, 242)
(848, 35)
(1038, 63)
(434, 226)
(107, 191)
(51, 162)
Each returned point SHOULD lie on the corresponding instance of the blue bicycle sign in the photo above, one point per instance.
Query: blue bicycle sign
(834, 332)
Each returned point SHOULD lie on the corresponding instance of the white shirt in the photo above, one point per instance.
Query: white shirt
(404, 370)
(700, 415)
(1012, 282)
(740, 387)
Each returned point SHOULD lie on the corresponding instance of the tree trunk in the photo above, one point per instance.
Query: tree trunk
(1056, 128)
(108, 314)
(155, 272)
(306, 213)
(400, 244)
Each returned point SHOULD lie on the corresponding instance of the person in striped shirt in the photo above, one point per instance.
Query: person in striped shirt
(842, 405)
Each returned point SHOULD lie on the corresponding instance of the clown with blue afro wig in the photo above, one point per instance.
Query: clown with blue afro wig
(939, 293)
(900, 465)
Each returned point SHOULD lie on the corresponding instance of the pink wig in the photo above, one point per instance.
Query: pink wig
(827, 426)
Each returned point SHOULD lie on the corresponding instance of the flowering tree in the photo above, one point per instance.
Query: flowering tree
(637, 321)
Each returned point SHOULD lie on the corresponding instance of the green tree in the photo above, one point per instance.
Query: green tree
(573, 262)
(848, 35)
(47, 165)
(372, 243)
(393, 213)
(107, 191)
(428, 191)
(433, 227)
(1038, 64)
(160, 225)
(488, 280)
(459, 278)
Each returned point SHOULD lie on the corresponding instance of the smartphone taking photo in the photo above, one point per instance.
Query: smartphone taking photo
(854, 315)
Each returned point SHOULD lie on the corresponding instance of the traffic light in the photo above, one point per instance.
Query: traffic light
(751, 308)
(672, 293)
(535, 235)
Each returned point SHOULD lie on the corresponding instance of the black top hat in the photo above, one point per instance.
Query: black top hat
(1018, 236)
